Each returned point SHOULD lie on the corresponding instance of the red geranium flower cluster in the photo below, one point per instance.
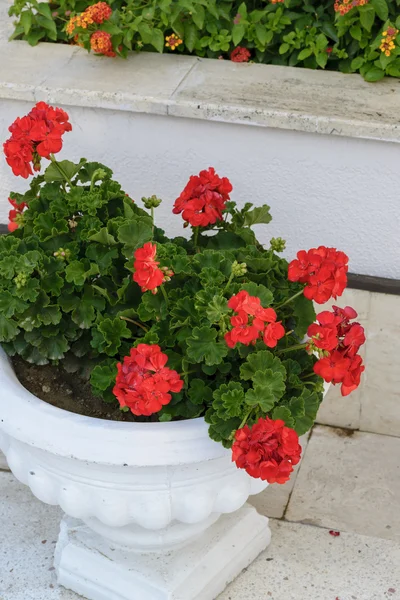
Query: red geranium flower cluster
(324, 270)
(36, 135)
(240, 54)
(147, 272)
(144, 383)
(252, 321)
(267, 450)
(14, 214)
(338, 341)
(203, 199)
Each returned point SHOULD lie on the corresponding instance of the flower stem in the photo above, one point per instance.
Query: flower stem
(60, 169)
(231, 276)
(135, 323)
(295, 347)
(290, 299)
(164, 293)
(309, 375)
(152, 219)
(243, 423)
(195, 236)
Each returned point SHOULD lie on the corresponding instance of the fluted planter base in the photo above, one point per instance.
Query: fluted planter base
(98, 569)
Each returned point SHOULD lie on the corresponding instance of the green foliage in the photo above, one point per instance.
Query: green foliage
(291, 33)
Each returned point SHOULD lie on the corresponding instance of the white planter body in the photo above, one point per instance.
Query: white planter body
(143, 501)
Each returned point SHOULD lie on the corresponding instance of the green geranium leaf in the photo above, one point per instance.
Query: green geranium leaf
(229, 400)
(61, 170)
(260, 214)
(55, 347)
(50, 315)
(217, 309)
(9, 304)
(311, 401)
(8, 329)
(304, 312)
(103, 237)
(77, 273)
(283, 413)
(210, 276)
(269, 387)
(52, 284)
(30, 291)
(109, 335)
(203, 345)
(208, 259)
(198, 392)
(265, 295)
(134, 234)
(153, 306)
(103, 375)
(263, 361)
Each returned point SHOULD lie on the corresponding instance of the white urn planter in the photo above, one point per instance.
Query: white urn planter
(153, 511)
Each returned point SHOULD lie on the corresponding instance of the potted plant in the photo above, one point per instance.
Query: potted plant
(196, 346)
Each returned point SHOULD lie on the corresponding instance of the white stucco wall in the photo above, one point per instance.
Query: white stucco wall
(322, 189)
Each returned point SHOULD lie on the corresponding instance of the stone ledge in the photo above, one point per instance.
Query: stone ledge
(183, 86)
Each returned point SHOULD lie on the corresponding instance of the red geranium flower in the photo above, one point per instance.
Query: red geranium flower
(203, 199)
(267, 450)
(252, 321)
(272, 333)
(243, 331)
(14, 214)
(147, 272)
(36, 135)
(143, 382)
(243, 301)
(354, 338)
(333, 367)
(240, 54)
(351, 380)
(324, 270)
(325, 334)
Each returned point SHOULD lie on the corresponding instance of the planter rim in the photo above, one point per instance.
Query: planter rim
(29, 419)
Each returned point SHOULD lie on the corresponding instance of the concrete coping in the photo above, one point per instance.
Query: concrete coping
(215, 90)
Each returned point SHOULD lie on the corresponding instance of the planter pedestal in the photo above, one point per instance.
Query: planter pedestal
(100, 569)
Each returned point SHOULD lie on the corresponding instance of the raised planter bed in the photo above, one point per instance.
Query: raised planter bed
(302, 140)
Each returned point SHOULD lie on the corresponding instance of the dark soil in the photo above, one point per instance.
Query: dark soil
(66, 390)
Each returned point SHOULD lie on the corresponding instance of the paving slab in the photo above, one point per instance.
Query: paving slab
(380, 405)
(350, 481)
(307, 563)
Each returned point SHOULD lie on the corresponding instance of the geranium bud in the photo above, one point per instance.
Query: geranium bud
(238, 269)
(278, 244)
(151, 202)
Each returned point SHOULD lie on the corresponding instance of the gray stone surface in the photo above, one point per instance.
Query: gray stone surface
(380, 407)
(306, 563)
(141, 83)
(350, 483)
(183, 86)
(290, 98)
(302, 562)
